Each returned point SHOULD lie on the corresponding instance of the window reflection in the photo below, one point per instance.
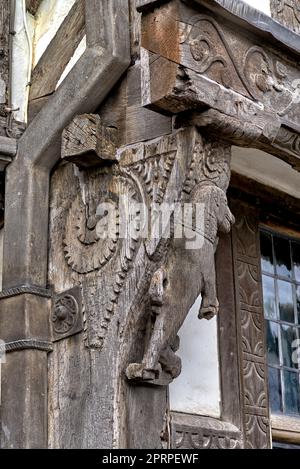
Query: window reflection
(280, 262)
(285, 301)
(283, 257)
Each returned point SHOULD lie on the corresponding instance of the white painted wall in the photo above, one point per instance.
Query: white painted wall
(261, 5)
(21, 62)
(26, 54)
(49, 17)
(266, 169)
(197, 389)
(77, 54)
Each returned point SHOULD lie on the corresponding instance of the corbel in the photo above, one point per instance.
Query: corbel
(87, 142)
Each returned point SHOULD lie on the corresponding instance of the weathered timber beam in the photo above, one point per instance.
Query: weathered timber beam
(287, 12)
(249, 18)
(88, 143)
(57, 55)
(4, 58)
(207, 65)
(144, 5)
(8, 146)
(106, 58)
(244, 15)
(32, 6)
(8, 149)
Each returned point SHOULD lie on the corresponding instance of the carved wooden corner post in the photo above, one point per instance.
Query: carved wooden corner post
(287, 12)
(136, 282)
(25, 276)
(251, 329)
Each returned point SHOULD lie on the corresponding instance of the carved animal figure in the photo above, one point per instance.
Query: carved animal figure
(176, 285)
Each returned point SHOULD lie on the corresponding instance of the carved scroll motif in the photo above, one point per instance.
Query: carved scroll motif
(212, 53)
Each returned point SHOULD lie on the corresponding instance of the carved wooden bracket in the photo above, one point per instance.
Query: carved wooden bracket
(87, 142)
(253, 91)
(147, 280)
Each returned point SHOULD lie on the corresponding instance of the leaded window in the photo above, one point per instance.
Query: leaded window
(280, 261)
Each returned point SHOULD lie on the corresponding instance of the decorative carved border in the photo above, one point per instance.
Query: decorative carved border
(251, 331)
(195, 432)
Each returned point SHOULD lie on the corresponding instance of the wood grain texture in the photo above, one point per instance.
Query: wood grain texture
(287, 12)
(32, 6)
(57, 55)
(123, 110)
(87, 142)
(227, 326)
(251, 330)
(4, 55)
(197, 432)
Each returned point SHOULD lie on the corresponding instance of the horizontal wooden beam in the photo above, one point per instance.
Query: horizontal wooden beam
(8, 146)
(193, 62)
(59, 52)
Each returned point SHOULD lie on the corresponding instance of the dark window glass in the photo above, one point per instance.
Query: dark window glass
(267, 263)
(272, 342)
(275, 390)
(288, 336)
(283, 257)
(291, 392)
(296, 260)
(269, 297)
(286, 301)
(298, 302)
(281, 295)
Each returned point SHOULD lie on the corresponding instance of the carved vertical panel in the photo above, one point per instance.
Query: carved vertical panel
(251, 332)
(287, 12)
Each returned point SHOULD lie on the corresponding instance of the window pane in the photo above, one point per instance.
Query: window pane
(275, 394)
(283, 257)
(286, 305)
(291, 392)
(288, 335)
(298, 303)
(296, 260)
(269, 297)
(272, 342)
(267, 263)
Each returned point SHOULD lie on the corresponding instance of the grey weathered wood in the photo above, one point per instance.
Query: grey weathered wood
(251, 330)
(57, 55)
(8, 149)
(87, 142)
(196, 432)
(27, 215)
(227, 325)
(8, 146)
(124, 111)
(196, 78)
(4, 58)
(32, 6)
(287, 12)
(135, 31)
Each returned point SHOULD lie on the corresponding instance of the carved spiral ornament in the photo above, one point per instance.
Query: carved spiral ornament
(65, 314)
